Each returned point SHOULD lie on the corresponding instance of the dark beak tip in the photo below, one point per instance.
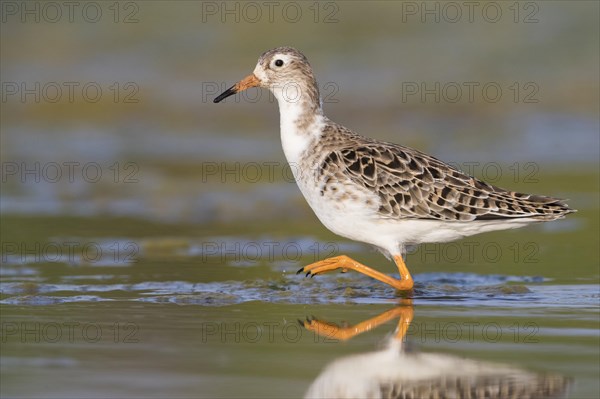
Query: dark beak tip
(229, 92)
(220, 98)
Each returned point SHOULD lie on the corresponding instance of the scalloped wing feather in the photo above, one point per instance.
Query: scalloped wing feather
(413, 185)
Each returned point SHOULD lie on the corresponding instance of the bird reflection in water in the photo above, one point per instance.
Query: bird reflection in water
(395, 372)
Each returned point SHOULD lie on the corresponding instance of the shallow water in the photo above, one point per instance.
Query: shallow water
(150, 249)
(189, 314)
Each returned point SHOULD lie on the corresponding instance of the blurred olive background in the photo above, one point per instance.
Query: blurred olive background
(109, 136)
(178, 57)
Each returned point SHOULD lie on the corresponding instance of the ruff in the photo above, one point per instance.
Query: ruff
(380, 193)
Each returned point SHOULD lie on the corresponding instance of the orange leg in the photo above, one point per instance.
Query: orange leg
(404, 323)
(333, 331)
(345, 263)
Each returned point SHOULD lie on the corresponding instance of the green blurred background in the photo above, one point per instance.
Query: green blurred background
(189, 189)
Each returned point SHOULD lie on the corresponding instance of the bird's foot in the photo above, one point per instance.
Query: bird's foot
(327, 265)
(346, 263)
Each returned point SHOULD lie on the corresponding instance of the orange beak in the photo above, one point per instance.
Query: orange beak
(246, 83)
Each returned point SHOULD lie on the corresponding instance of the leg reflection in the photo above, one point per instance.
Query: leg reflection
(404, 312)
(393, 372)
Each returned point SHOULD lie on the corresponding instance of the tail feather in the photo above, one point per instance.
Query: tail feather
(511, 204)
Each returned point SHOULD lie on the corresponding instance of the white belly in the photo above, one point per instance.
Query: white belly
(351, 217)
(351, 210)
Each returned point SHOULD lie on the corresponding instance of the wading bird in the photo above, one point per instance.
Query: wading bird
(376, 192)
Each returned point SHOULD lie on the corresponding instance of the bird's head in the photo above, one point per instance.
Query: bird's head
(285, 71)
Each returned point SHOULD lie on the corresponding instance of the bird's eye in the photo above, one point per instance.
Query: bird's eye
(279, 63)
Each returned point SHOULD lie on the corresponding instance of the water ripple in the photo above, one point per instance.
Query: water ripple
(433, 288)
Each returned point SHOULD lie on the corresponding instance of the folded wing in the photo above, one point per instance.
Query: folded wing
(413, 185)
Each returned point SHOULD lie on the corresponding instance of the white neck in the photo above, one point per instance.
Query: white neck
(300, 123)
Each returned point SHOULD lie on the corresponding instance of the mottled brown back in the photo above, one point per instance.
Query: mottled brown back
(414, 185)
